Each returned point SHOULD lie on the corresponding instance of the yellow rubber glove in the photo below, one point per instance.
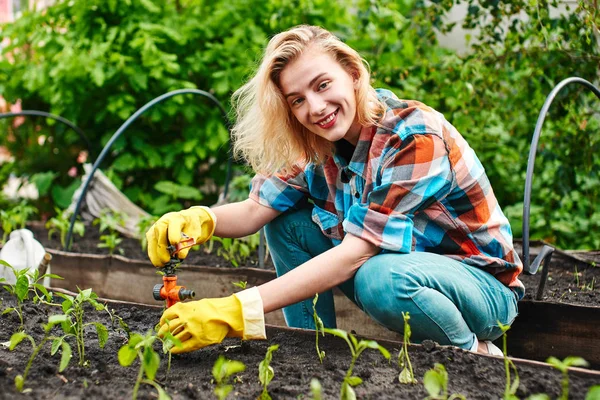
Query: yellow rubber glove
(196, 222)
(204, 322)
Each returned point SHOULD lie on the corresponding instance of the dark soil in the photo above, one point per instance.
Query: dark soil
(295, 364)
(570, 280)
(132, 248)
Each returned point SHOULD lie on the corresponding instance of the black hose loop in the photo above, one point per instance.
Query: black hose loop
(58, 118)
(122, 129)
(531, 160)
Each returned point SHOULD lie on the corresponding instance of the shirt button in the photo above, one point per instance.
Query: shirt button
(357, 195)
(328, 231)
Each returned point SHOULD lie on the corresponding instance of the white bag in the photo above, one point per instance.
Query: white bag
(22, 251)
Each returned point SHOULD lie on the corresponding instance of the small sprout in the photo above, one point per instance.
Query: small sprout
(266, 373)
(141, 347)
(318, 327)
(563, 366)
(240, 284)
(316, 390)
(222, 370)
(15, 218)
(510, 388)
(17, 337)
(356, 349)
(593, 393)
(436, 383)
(60, 223)
(143, 226)
(74, 325)
(110, 242)
(406, 374)
(25, 282)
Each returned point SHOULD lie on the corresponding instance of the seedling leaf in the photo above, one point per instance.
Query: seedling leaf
(19, 381)
(354, 380)
(151, 363)
(126, 355)
(22, 287)
(15, 339)
(593, 393)
(102, 334)
(8, 310)
(55, 345)
(65, 357)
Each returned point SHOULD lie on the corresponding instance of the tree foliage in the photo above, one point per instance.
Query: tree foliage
(96, 62)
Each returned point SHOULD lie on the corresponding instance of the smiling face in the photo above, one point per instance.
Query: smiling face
(321, 95)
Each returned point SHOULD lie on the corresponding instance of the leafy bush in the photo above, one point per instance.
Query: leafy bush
(96, 62)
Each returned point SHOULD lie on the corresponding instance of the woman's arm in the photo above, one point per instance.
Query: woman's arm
(242, 218)
(317, 275)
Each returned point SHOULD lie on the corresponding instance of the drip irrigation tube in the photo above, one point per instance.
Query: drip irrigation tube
(546, 252)
(51, 116)
(122, 129)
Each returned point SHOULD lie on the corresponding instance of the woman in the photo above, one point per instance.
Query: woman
(357, 189)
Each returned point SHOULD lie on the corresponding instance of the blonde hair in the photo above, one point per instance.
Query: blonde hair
(266, 133)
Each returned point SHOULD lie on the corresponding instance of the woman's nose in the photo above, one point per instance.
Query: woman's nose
(317, 105)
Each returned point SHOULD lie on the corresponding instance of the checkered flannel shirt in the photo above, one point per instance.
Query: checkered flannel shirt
(412, 184)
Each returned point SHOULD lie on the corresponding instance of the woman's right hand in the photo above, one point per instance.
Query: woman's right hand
(195, 222)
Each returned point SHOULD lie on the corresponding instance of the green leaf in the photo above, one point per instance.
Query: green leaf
(19, 382)
(22, 287)
(126, 355)
(57, 319)
(65, 357)
(43, 181)
(354, 381)
(44, 291)
(8, 310)
(16, 338)
(151, 363)
(102, 334)
(55, 345)
(432, 383)
(593, 393)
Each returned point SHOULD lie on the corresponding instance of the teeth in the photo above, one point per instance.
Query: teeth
(328, 120)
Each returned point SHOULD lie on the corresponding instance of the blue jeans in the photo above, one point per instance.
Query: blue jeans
(449, 302)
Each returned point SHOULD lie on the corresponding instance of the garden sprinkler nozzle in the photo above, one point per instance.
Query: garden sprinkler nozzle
(169, 291)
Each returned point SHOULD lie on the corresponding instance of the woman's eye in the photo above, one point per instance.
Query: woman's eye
(323, 85)
(297, 101)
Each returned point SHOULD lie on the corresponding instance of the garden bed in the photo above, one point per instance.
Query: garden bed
(295, 363)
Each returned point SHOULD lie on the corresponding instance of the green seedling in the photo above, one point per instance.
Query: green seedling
(17, 337)
(15, 218)
(593, 393)
(73, 309)
(319, 327)
(356, 349)
(563, 367)
(407, 375)
(26, 282)
(316, 390)
(436, 383)
(511, 386)
(222, 371)
(168, 342)
(237, 250)
(143, 226)
(110, 220)
(110, 242)
(241, 284)
(266, 373)
(60, 223)
(141, 347)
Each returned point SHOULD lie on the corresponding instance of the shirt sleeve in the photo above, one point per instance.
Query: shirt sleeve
(413, 175)
(278, 191)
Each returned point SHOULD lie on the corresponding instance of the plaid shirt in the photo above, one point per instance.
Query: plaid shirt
(412, 184)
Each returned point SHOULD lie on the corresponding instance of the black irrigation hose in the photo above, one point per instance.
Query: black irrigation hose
(532, 269)
(122, 129)
(51, 116)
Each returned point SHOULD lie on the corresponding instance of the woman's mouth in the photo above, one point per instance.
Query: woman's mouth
(329, 120)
